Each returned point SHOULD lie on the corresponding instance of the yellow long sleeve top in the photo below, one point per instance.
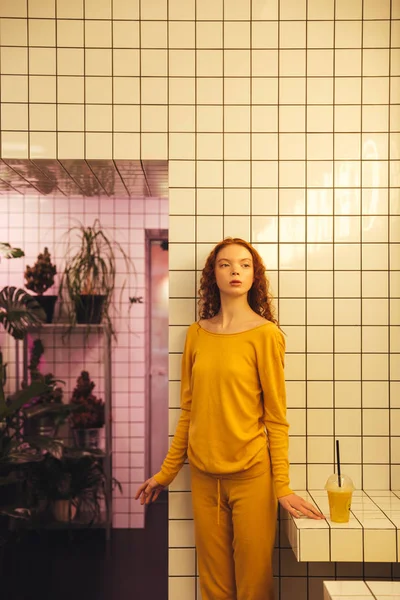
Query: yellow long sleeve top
(233, 403)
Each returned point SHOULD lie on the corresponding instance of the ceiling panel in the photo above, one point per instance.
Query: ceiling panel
(86, 178)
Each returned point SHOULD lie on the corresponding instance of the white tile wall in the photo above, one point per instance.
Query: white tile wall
(280, 121)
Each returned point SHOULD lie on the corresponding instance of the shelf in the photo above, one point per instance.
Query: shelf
(361, 590)
(371, 535)
(49, 523)
(59, 329)
(78, 326)
(95, 453)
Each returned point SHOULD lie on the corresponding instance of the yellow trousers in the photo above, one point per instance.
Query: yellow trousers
(235, 523)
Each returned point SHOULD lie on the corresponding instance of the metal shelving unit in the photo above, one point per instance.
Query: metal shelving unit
(63, 330)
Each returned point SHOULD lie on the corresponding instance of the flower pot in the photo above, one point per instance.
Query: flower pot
(41, 425)
(47, 303)
(89, 309)
(87, 438)
(61, 510)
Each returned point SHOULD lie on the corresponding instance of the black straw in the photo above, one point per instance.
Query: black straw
(338, 463)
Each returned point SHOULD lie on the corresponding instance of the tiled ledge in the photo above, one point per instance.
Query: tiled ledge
(361, 590)
(371, 535)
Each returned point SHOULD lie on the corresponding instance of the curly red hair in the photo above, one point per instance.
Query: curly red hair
(259, 296)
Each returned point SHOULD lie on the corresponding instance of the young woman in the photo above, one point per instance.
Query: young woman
(233, 428)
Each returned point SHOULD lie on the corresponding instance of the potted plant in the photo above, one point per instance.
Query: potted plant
(89, 274)
(73, 484)
(45, 412)
(89, 417)
(39, 279)
(18, 310)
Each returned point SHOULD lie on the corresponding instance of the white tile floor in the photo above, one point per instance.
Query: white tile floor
(371, 535)
(360, 590)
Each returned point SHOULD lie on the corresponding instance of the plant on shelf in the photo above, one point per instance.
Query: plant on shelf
(72, 484)
(46, 412)
(7, 251)
(89, 416)
(15, 448)
(18, 452)
(39, 279)
(18, 310)
(89, 275)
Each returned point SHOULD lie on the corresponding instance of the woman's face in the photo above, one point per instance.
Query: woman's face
(234, 263)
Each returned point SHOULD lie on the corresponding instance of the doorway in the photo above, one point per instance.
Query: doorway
(157, 287)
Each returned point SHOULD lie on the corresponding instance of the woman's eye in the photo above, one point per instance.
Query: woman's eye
(227, 265)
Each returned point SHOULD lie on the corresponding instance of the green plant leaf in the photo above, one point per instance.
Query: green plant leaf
(2, 383)
(18, 311)
(16, 512)
(8, 252)
(20, 398)
(90, 268)
(48, 444)
(10, 479)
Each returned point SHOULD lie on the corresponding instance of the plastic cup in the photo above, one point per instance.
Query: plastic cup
(339, 497)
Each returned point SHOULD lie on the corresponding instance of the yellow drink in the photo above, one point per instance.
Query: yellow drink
(339, 505)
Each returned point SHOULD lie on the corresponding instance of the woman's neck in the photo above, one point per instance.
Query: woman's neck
(234, 311)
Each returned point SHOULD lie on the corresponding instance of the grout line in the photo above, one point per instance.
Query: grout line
(389, 374)
(84, 78)
(112, 85)
(140, 76)
(196, 270)
(361, 269)
(306, 234)
(333, 261)
(361, 265)
(278, 256)
(28, 77)
(42, 18)
(372, 593)
(223, 120)
(56, 75)
(251, 134)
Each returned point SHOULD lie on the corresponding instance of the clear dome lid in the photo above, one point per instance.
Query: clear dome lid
(345, 481)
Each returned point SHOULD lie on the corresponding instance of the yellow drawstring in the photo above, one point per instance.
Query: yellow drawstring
(219, 498)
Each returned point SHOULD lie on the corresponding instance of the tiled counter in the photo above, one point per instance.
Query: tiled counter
(361, 590)
(371, 535)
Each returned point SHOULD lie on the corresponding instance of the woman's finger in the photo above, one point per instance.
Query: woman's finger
(312, 512)
(140, 490)
(156, 494)
(150, 494)
(313, 509)
(291, 509)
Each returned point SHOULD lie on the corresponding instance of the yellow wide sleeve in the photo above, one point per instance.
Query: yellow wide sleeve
(271, 372)
(177, 452)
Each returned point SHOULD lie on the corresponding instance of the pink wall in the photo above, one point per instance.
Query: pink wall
(35, 222)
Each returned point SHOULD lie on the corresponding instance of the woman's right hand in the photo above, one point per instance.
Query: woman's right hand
(149, 491)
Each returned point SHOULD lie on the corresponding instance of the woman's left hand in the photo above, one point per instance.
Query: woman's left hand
(296, 504)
